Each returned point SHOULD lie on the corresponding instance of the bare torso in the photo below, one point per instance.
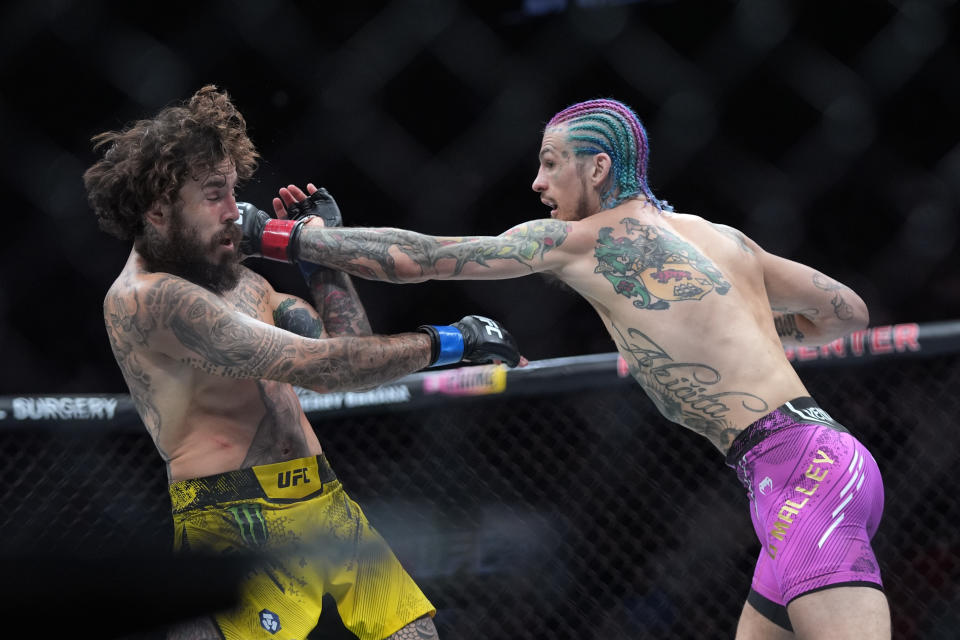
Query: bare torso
(201, 423)
(696, 330)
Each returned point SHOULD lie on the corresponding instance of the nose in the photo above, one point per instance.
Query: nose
(230, 211)
(539, 183)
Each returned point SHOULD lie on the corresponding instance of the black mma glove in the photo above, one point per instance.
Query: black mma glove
(474, 339)
(319, 203)
(266, 236)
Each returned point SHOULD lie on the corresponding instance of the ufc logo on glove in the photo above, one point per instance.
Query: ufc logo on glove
(491, 326)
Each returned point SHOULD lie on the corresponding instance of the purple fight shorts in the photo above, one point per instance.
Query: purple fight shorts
(816, 497)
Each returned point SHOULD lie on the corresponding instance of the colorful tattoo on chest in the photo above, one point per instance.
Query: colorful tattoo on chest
(655, 266)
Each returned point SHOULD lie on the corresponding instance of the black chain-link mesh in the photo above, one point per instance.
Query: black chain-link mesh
(575, 515)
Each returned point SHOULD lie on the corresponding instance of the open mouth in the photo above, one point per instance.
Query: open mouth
(552, 206)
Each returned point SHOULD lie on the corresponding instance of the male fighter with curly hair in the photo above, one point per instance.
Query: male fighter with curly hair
(211, 354)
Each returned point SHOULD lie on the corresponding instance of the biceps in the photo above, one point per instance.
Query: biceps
(527, 248)
(294, 315)
(789, 284)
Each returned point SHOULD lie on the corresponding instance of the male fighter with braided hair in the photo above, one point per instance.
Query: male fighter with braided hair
(211, 353)
(700, 313)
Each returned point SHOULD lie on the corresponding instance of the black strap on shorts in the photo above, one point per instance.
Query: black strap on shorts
(775, 613)
(798, 410)
(241, 484)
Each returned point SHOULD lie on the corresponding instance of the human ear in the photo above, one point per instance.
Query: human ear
(158, 215)
(601, 168)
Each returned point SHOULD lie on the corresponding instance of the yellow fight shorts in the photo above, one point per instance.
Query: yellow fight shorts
(309, 539)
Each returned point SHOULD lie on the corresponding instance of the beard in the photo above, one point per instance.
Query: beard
(183, 253)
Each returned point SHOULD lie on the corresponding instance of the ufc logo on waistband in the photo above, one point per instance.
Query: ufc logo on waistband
(492, 327)
(285, 479)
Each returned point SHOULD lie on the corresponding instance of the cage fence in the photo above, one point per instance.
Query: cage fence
(549, 502)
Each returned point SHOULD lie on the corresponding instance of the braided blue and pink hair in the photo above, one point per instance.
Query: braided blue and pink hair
(611, 127)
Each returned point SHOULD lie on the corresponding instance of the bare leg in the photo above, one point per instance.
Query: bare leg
(754, 625)
(419, 629)
(197, 629)
(841, 613)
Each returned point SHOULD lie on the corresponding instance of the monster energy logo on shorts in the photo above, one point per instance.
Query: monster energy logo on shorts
(253, 528)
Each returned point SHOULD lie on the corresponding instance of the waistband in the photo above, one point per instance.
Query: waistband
(799, 410)
(287, 481)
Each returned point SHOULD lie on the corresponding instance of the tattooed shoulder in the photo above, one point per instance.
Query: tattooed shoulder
(734, 235)
(655, 266)
(293, 316)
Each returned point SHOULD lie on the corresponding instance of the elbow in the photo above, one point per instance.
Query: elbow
(863, 317)
(860, 315)
(850, 317)
(408, 272)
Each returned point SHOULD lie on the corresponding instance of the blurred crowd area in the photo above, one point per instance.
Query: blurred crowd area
(826, 131)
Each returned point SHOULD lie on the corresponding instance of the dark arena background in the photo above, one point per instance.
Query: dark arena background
(551, 502)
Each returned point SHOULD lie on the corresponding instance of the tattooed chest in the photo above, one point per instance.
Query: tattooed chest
(250, 298)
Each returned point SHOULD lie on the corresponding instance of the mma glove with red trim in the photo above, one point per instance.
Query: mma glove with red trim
(269, 237)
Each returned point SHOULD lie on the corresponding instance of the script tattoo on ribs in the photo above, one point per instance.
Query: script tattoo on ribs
(655, 266)
(786, 326)
(342, 248)
(683, 391)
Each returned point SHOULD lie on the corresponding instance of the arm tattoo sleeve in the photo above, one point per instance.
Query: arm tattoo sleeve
(226, 343)
(337, 301)
(346, 249)
(297, 319)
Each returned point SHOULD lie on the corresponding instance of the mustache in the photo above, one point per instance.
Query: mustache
(230, 232)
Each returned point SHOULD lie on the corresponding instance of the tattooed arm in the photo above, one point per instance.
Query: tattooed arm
(399, 256)
(191, 325)
(808, 307)
(335, 297)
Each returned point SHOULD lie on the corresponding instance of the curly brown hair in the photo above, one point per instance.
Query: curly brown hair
(148, 161)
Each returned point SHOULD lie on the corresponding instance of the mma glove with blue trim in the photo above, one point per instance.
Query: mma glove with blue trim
(474, 339)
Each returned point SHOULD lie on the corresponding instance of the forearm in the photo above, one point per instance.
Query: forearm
(387, 254)
(344, 364)
(320, 364)
(396, 255)
(335, 298)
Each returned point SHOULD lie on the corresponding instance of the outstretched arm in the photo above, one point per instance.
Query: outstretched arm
(401, 256)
